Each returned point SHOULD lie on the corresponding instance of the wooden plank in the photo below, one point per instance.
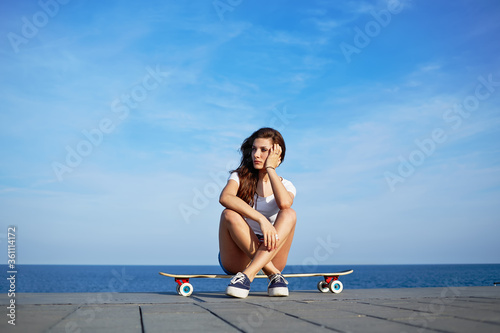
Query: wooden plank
(101, 318)
(185, 318)
(37, 318)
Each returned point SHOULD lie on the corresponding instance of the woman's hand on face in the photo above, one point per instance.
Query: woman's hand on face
(270, 234)
(274, 158)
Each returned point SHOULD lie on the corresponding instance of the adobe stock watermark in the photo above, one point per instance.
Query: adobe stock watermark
(223, 6)
(119, 111)
(363, 37)
(281, 118)
(31, 25)
(322, 252)
(255, 319)
(454, 118)
(429, 312)
(211, 190)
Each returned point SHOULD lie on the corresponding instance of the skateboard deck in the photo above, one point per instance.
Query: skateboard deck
(330, 282)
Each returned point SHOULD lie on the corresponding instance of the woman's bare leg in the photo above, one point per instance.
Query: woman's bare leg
(238, 243)
(285, 227)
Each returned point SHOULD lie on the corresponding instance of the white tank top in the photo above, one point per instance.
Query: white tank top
(265, 205)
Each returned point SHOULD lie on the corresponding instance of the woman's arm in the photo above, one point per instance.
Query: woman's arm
(229, 200)
(284, 199)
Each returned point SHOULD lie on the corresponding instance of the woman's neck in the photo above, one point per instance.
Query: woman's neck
(263, 176)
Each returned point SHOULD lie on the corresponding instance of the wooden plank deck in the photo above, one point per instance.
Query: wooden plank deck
(449, 309)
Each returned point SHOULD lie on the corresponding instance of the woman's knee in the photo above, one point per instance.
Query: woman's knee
(231, 217)
(289, 214)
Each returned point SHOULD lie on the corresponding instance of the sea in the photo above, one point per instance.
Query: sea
(112, 279)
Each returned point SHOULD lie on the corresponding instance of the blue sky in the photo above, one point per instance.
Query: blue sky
(120, 121)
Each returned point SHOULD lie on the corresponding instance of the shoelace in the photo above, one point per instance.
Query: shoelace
(278, 278)
(238, 278)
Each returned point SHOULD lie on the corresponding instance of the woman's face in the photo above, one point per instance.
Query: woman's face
(260, 151)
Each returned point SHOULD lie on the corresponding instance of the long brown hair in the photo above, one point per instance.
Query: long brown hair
(249, 176)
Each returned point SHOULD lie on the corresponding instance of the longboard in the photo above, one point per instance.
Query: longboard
(330, 282)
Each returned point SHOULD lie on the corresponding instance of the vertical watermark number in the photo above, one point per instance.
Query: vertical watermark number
(11, 273)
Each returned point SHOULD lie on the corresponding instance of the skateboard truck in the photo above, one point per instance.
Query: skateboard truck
(331, 283)
(184, 288)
